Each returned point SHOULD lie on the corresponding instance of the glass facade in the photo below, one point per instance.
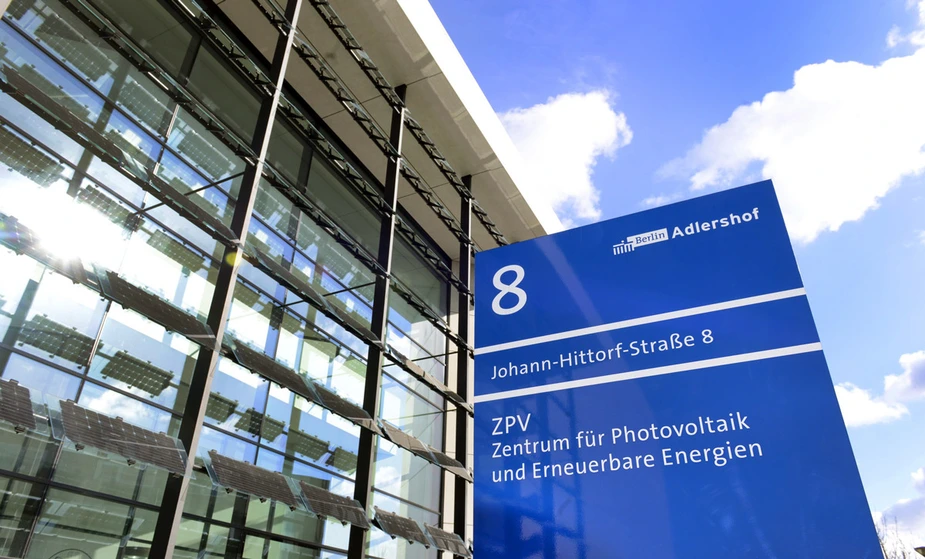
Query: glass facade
(129, 142)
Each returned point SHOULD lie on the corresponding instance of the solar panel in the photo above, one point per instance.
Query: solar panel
(64, 39)
(343, 460)
(428, 379)
(325, 503)
(250, 479)
(20, 156)
(204, 156)
(448, 541)
(220, 408)
(425, 451)
(269, 368)
(177, 251)
(18, 9)
(404, 440)
(16, 405)
(51, 91)
(307, 445)
(256, 423)
(87, 428)
(353, 324)
(190, 210)
(400, 527)
(22, 240)
(56, 339)
(138, 100)
(449, 464)
(348, 410)
(137, 373)
(116, 212)
(289, 279)
(154, 307)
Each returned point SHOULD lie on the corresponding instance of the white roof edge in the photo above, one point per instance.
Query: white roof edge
(424, 19)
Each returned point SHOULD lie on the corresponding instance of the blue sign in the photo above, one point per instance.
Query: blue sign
(653, 387)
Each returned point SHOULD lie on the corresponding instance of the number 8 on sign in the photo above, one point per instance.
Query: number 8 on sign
(509, 288)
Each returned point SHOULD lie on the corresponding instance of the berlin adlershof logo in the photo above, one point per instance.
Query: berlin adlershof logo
(660, 235)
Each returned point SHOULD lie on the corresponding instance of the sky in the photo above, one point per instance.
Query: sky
(638, 104)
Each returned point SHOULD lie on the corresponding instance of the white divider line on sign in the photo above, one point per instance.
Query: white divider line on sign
(766, 298)
(655, 371)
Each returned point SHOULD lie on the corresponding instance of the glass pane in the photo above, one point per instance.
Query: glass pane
(141, 357)
(382, 545)
(224, 93)
(150, 24)
(14, 521)
(343, 206)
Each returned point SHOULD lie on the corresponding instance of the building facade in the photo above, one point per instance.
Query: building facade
(236, 243)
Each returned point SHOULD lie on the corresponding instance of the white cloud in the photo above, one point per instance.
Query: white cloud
(860, 408)
(917, 37)
(562, 140)
(910, 385)
(660, 200)
(835, 143)
(904, 522)
(922, 237)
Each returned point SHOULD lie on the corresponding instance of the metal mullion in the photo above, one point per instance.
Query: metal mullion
(366, 450)
(176, 488)
(462, 368)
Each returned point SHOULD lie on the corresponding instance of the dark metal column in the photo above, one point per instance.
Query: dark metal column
(366, 461)
(176, 489)
(460, 500)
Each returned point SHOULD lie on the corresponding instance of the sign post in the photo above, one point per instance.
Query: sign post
(653, 386)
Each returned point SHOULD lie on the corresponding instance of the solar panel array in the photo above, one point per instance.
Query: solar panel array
(22, 240)
(16, 405)
(344, 408)
(428, 379)
(50, 90)
(56, 339)
(155, 308)
(290, 280)
(206, 157)
(142, 103)
(404, 440)
(255, 423)
(20, 156)
(220, 408)
(425, 451)
(177, 251)
(325, 503)
(343, 460)
(448, 541)
(116, 212)
(364, 331)
(252, 480)
(137, 373)
(68, 42)
(268, 367)
(17, 236)
(88, 428)
(400, 527)
(307, 445)
(191, 210)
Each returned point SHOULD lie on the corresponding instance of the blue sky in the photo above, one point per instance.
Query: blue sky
(676, 99)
